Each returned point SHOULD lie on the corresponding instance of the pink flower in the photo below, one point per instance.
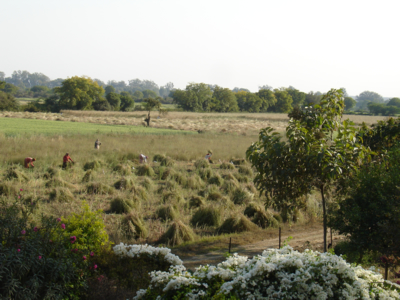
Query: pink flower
(74, 250)
(58, 219)
(35, 229)
(19, 197)
(84, 257)
(23, 231)
(91, 253)
(21, 190)
(95, 267)
(19, 250)
(40, 257)
(72, 239)
(63, 226)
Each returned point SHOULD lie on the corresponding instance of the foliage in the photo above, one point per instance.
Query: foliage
(283, 101)
(61, 195)
(367, 96)
(275, 274)
(210, 216)
(250, 102)
(223, 100)
(8, 102)
(178, 233)
(79, 93)
(268, 99)
(370, 214)
(196, 97)
(319, 150)
(381, 136)
(114, 100)
(37, 261)
(349, 103)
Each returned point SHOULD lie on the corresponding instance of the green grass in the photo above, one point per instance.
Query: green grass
(15, 127)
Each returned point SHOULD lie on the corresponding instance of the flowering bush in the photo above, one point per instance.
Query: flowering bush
(275, 274)
(36, 262)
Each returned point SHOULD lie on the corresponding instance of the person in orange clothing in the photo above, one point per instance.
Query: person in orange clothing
(29, 160)
(66, 159)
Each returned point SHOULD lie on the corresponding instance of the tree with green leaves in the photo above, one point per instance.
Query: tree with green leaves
(8, 102)
(79, 93)
(196, 97)
(114, 100)
(394, 102)
(319, 150)
(283, 101)
(366, 97)
(297, 96)
(349, 103)
(267, 97)
(127, 103)
(248, 101)
(151, 104)
(109, 89)
(223, 100)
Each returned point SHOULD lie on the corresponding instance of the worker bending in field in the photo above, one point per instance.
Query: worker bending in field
(142, 158)
(29, 160)
(97, 144)
(66, 160)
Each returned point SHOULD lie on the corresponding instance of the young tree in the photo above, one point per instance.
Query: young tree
(349, 103)
(127, 103)
(320, 149)
(149, 105)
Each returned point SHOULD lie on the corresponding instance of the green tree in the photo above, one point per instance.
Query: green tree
(114, 100)
(283, 101)
(151, 104)
(149, 94)
(394, 102)
(196, 97)
(298, 97)
(109, 89)
(267, 97)
(320, 149)
(137, 95)
(313, 98)
(223, 100)
(349, 103)
(8, 102)
(376, 108)
(127, 103)
(248, 101)
(366, 97)
(10, 89)
(79, 93)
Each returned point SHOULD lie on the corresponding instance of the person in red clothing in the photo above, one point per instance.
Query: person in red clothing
(29, 160)
(66, 159)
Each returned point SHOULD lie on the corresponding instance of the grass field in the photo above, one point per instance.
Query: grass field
(14, 126)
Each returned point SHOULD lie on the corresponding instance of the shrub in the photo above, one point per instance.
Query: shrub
(196, 201)
(227, 166)
(241, 196)
(208, 216)
(99, 188)
(251, 209)
(246, 170)
(216, 179)
(14, 173)
(265, 219)
(88, 176)
(61, 195)
(7, 189)
(167, 212)
(134, 226)
(121, 205)
(123, 169)
(93, 165)
(123, 183)
(238, 223)
(201, 164)
(145, 170)
(178, 233)
(307, 275)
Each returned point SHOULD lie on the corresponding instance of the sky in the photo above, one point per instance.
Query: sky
(310, 45)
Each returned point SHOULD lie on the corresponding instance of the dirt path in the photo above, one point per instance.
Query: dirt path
(308, 238)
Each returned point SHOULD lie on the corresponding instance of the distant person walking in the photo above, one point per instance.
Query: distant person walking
(97, 144)
(208, 156)
(142, 158)
(66, 160)
(29, 160)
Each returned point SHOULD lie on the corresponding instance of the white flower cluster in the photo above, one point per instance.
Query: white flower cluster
(137, 250)
(278, 274)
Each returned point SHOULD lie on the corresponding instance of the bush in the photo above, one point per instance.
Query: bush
(227, 166)
(121, 205)
(7, 189)
(134, 226)
(307, 275)
(99, 188)
(93, 165)
(14, 173)
(37, 262)
(166, 212)
(61, 195)
(238, 223)
(207, 216)
(145, 170)
(178, 233)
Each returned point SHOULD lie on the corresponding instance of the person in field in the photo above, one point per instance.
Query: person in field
(66, 160)
(29, 161)
(97, 144)
(208, 156)
(142, 158)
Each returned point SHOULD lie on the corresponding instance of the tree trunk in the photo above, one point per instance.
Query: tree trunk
(324, 214)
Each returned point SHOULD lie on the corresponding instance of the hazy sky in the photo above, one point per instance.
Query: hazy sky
(311, 45)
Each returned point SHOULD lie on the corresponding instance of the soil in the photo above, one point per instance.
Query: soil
(308, 237)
